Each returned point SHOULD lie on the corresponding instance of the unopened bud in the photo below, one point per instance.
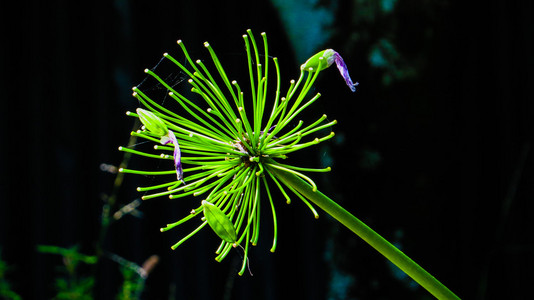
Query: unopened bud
(319, 61)
(152, 122)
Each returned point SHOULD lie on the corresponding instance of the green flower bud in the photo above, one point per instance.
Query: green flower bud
(152, 122)
(219, 222)
(325, 58)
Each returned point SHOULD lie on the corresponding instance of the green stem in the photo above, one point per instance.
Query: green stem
(397, 257)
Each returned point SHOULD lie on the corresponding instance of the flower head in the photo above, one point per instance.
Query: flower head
(231, 143)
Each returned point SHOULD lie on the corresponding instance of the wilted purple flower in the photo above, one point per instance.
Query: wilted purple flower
(171, 138)
(342, 67)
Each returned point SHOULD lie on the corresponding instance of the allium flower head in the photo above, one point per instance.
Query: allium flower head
(226, 148)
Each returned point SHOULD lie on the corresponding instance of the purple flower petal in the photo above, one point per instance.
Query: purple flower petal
(342, 67)
(177, 155)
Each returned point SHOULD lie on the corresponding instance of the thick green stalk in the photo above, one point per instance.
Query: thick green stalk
(397, 257)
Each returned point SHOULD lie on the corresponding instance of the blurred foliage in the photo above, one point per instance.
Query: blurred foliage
(306, 36)
(383, 55)
(376, 28)
(71, 285)
(69, 254)
(74, 288)
(132, 285)
(5, 287)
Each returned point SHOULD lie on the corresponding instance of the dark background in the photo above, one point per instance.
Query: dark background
(434, 150)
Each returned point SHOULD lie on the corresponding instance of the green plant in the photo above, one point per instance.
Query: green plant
(234, 148)
(71, 285)
(6, 292)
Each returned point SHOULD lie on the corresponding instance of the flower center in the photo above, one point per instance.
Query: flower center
(249, 157)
